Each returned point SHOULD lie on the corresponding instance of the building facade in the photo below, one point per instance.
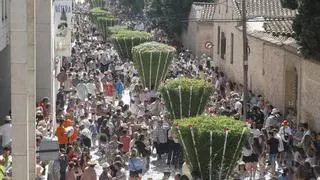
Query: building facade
(200, 28)
(276, 70)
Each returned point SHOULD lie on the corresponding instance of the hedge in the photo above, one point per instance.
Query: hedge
(98, 12)
(202, 126)
(104, 23)
(97, 3)
(152, 60)
(126, 39)
(186, 97)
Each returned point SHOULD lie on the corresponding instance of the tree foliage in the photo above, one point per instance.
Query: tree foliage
(306, 25)
(134, 6)
(171, 15)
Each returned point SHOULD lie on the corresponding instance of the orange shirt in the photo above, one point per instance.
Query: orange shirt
(61, 135)
(74, 136)
(68, 122)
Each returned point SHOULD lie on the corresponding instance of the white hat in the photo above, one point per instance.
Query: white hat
(7, 118)
(105, 165)
(92, 162)
(275, 111)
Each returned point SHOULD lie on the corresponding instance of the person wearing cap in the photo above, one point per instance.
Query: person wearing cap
(70, 174)
(5, 132)
(89, 173)
(273, 120)
(286, 137)
(105, 172)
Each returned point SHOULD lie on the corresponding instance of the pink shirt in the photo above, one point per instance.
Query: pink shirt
(126, 143)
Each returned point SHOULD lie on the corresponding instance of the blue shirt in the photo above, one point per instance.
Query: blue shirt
(135, 164)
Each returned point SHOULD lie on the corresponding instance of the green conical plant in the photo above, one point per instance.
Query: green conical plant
(117, 28)
(185, 97)
(96, 12)
(103, 23)
(124, 40)
(152, 60)
(198, 153)
(97, 3)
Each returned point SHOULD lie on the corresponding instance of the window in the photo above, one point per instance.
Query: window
(218, 50)
(231, 53)
(223, 45)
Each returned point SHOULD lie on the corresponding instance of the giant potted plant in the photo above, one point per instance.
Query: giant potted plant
(152, 60)
(124, 40)
(212, 144)
(186, 97)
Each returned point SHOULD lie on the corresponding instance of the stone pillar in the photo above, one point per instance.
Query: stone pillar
(44, 48)
(23, 65)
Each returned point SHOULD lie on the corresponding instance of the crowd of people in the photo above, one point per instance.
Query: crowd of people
(107, 119)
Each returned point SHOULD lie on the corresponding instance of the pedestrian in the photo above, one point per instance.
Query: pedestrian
(5, 132)
(89, 173)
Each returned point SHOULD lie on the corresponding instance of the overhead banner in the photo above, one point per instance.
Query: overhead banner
(63, 27)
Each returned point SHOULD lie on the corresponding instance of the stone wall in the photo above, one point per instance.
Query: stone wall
(195, 37)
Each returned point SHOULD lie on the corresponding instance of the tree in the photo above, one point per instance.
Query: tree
(171, 15)
(152, 60)
(135, 6)
(186, 97)
(306, 25)
(198, 134)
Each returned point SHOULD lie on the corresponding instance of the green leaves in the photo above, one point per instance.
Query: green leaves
(306, 25)
(103, 20)
(186, 97)
(104, 23)
(97, 3)
(124, 40)
(202, 126)
(152, 60)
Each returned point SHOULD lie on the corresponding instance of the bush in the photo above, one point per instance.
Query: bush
(104, 23)
(202, 125)
(194, 96)
(124, 40)
(97, 3)
(152, 60)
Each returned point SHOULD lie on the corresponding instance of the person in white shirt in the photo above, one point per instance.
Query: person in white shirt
(286, 136)
(160, 137)
(5, 132)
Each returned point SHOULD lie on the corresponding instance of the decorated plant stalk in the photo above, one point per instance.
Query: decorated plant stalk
(104, 23)
(212, 144)
(186, 97)
(124, 40)
(152, 60)
(97, 3)
(97, 12)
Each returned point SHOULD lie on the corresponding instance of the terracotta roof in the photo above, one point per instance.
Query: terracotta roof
(202, 11)
(265, 8)
(279, 27)
(277, 20)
